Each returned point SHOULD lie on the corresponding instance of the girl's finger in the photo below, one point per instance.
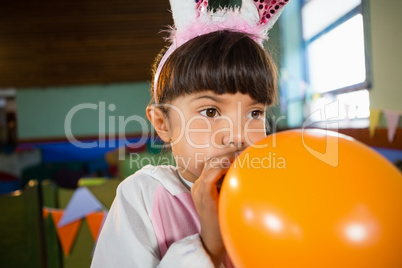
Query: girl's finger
(218, 165)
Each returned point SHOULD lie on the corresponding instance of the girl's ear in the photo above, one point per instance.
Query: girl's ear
(160, 122)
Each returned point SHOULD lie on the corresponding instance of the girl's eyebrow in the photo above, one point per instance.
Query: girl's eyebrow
(219, 99)
(216, 99)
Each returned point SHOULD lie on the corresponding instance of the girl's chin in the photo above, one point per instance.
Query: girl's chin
(189, 174)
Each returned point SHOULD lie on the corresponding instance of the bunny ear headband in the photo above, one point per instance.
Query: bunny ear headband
(192, 19)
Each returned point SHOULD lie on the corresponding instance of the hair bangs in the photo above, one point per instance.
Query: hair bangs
(224, 62)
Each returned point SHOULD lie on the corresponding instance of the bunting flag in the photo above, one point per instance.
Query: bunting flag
(98, 232)
(316, 96)
(82, 203)
(392, 123)
(45, 212)
(347, 109)
(95, 222)
(374, 120)
(67, 233)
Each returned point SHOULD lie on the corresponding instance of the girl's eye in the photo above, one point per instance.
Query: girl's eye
(256, 114)
(211, 112)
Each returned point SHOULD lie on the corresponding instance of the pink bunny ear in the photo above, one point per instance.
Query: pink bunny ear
(269, 10)
(191, 19)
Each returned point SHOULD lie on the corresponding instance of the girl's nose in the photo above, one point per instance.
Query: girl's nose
(234, 137)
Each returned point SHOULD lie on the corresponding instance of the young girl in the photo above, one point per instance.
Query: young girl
(211, 92)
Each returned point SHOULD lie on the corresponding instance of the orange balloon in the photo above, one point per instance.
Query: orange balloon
(312, 198)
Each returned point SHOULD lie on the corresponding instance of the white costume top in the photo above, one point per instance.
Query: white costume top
(152, 223)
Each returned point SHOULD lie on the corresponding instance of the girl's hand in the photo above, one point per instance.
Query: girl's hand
(205, 196)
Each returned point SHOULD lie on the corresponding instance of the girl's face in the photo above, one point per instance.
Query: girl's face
(205, 125)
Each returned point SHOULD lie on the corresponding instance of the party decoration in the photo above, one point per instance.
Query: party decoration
(347, 109)
(374, 120)
(67, 233)
(45, 212)
(95, 221)
(283, 206)
(82, 202)
(392, 123)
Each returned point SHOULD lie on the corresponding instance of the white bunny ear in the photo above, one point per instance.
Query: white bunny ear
(186, 11)
(249, 12)
(183, 12)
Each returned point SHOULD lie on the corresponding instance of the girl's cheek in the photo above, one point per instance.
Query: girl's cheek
(255, 131)
(198, 131)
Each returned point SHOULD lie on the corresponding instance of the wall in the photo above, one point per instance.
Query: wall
(42, 112)
(292, 98)
(386, 39)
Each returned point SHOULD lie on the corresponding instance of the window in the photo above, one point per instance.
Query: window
(333, 52)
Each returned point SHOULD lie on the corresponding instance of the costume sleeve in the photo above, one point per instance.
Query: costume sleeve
(188, 252)
(127, 238)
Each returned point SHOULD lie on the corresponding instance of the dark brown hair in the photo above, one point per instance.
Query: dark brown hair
(222, 61)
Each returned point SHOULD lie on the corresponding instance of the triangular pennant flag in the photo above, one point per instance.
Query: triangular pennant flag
(82, 202)
(347, 109)
(316, 96)
(45, 212)
(392, 123)
(67, 233)
(374, 120)
(95, 222)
